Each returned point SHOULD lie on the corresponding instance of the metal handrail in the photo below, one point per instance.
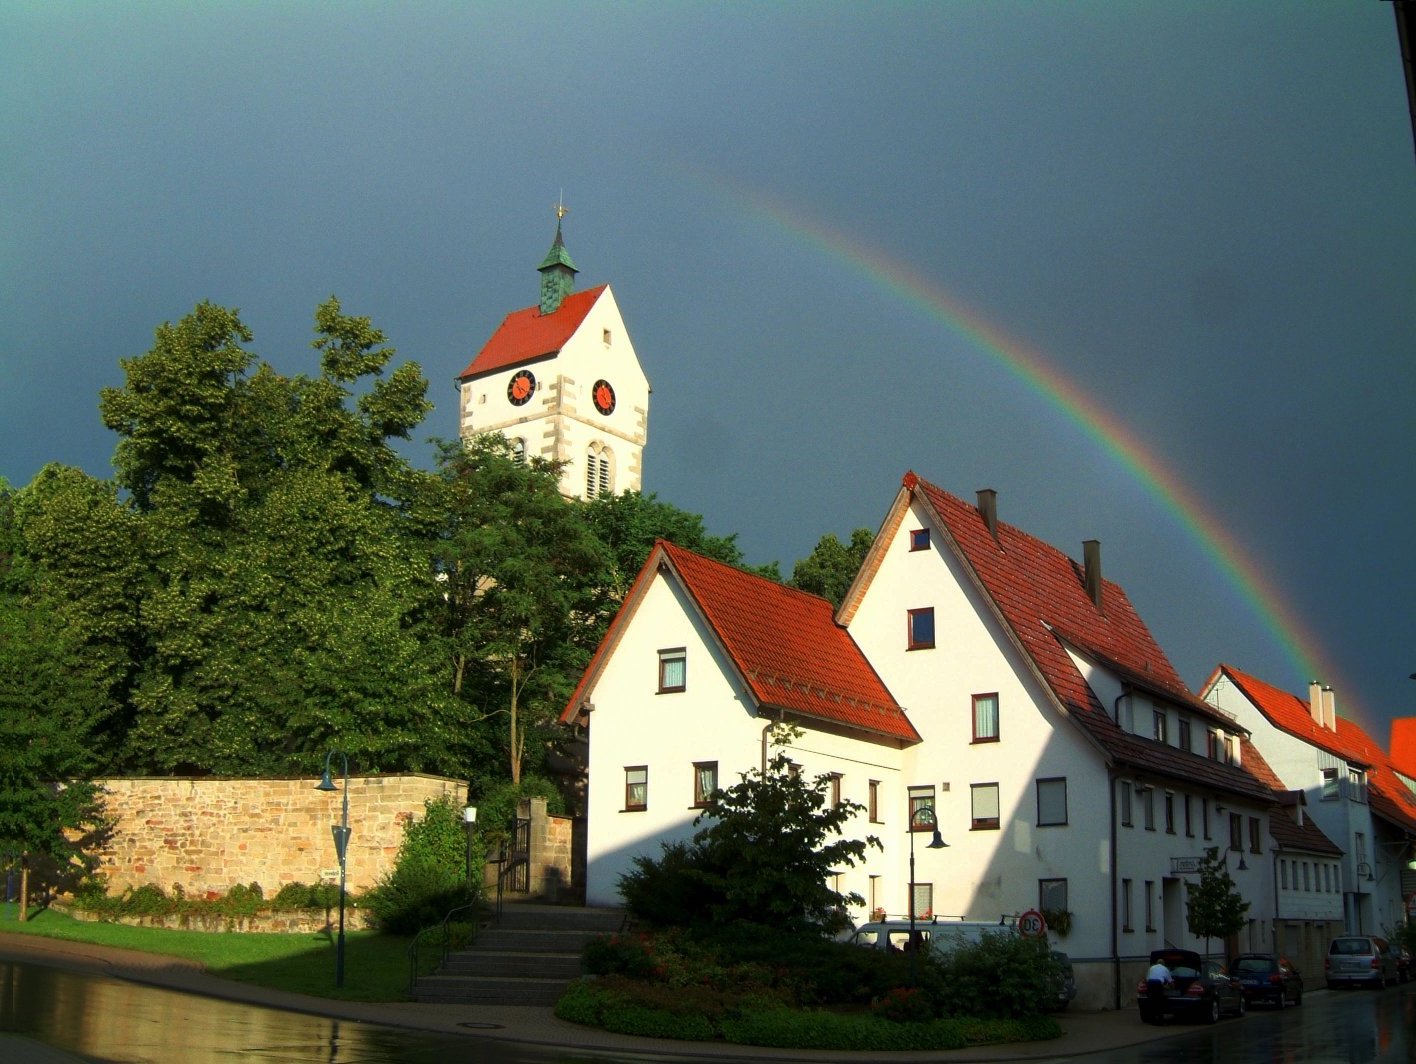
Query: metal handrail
(444, 927)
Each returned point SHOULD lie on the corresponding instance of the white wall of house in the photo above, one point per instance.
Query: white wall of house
(711, 720)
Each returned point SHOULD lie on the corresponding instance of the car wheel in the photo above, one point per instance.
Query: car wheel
(1282, 1000)
(1213, 1015)
(1243, 1006)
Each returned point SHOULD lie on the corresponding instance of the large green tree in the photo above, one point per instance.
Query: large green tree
(520, 586)
(263, 588)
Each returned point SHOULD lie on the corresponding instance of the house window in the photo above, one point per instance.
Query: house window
(1307, 876)
(605, 337)
(985, 807)
(705, 782)
(922, 904)
(636, 787)
(597, 472)
(1169, 813)
(1183, 738)
(1158, 726)
(873, 802)
(1255, 835)
(1329, 785)
(1150, 905)
(1231, 749)
(1052, 895)
(1148, 807)
(1126, 905)
(985, 718)
(1211, 744)
(919, 539)
(518, 450)
(673, 669)
(1052, 802)
(833, 788)
(1283, 874)
(922, 798)
(1189, 825)
(921, 628)
(1125, 800)
(1236, 831)
(1359, 784)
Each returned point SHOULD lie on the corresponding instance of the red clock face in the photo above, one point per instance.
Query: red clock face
(604, 397)
(521, 387)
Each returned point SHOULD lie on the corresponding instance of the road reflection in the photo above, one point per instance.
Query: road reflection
(93, 1018)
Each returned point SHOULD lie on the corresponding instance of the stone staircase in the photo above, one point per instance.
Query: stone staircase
(529, 957)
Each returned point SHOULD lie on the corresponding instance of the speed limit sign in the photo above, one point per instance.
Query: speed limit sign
(1032, 924)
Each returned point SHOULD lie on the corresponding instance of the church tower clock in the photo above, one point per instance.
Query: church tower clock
(560, 379)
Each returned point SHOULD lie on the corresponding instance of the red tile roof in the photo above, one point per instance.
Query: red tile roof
(527, 334)
(785, 643)
(1040, 594)
(1403, 745)
(1387, 795)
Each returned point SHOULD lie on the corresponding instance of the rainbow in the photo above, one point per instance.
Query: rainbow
(1284, 625)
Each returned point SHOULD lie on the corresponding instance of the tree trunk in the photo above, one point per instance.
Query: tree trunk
(24, 887)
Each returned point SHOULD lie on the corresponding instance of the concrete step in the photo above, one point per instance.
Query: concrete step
(441, 989)
(503, 939)
(536, 965)
(534, 917)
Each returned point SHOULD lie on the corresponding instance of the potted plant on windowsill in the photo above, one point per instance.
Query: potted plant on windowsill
(1059, 920)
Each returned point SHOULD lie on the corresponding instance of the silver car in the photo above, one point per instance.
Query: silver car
(1360, 960)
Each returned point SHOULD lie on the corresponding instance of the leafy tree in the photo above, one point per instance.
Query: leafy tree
(629, 523)
(831, 566)
(762, 856)
(1214, 907)
(519, 571)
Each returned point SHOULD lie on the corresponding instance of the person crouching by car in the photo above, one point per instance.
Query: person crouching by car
(1157, 979)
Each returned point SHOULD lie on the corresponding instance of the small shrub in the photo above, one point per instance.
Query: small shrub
(905, 1004)
(146, 900)
(429, 875)
(627, 955)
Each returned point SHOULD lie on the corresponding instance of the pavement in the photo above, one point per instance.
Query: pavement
(1083, 1032)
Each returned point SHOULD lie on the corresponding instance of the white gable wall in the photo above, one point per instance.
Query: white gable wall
(988, 872)
(712, 719)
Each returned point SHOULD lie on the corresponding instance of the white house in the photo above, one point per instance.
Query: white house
(560, 380)
(1350, 789)
(972, 671)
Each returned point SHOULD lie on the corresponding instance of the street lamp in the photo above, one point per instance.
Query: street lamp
(920, 818)
(469, 821)
(341, 849)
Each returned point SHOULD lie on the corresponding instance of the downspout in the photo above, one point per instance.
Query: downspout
(1115, 862)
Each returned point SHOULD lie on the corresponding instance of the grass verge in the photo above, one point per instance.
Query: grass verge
(375, 964)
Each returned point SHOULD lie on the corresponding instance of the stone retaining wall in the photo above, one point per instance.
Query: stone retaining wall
(207, 834)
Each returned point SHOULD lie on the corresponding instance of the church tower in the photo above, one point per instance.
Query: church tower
(560, 379)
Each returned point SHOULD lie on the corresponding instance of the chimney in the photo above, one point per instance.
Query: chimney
(988, 510)
(1091, 557)
(1315, 702)
(1329, 709)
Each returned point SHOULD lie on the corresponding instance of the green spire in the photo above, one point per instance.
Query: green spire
(557, 270)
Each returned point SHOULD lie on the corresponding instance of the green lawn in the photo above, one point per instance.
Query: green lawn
(375, 965)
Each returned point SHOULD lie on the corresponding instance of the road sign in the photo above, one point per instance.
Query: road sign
(1031, 924)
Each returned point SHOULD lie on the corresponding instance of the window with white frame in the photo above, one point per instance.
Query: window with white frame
(1052, 895)
(922, 800)
(1330, 785)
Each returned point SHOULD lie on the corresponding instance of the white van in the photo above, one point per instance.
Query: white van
(940, 934)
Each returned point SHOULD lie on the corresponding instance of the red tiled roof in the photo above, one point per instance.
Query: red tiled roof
(1040, 594)
(528, 334)
(785, 643)
(1387, 795)
(1403, 745)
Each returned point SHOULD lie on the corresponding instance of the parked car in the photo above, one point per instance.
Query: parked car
(1199, 989)
(1267, 979)
(1067, 988)
(1360, 960)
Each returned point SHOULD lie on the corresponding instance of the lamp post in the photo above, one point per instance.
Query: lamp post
(341, 849)
(920, 818)
(469, 821)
